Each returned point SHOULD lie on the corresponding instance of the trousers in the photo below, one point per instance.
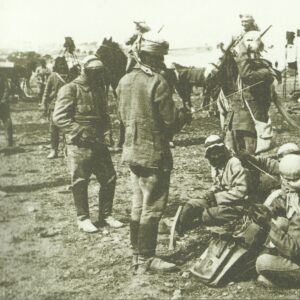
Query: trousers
(279, 270)
(84, 161)
(54, 132)
(150, 195)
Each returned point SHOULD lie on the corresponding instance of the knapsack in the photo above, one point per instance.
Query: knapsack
(225, 260)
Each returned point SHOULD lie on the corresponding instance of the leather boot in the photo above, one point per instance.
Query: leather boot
(134, 234)
(147, 239)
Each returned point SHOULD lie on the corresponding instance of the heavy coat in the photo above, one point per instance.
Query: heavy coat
(258, 96)
(287, 242)
(79, 109)
(231, 183)
(149, 115)
(54, 82)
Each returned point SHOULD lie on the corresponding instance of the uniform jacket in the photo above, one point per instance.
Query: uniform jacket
(149, 115)
(258, 97)
(42, 74)
(54, 82)
(78, 108)
(231, 184)
(270, 165)
(287, 242)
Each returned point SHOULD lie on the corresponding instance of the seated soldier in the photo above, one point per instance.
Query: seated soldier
(281, 265)
(225, 200)
(269, 164)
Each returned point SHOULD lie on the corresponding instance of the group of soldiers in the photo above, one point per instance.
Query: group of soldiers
(149, 115)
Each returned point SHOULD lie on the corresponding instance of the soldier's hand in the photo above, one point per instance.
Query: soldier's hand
(88, 135)
(108, 140)
(244, 156)
(209, 196)
(261, 215)
(185, 115)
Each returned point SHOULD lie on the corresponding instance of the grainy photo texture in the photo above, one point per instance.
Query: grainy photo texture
(149, 149)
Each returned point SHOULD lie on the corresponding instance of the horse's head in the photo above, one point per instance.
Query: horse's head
(113, 59)
(110, 52)
(225, 73)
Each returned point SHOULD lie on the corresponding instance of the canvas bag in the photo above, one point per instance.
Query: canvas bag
(215, 262)
(224, 259)
(264, 131)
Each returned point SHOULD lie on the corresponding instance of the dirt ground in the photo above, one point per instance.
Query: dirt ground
(44, 256)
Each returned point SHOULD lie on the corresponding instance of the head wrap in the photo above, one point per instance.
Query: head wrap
(92, 62)
(154, 44)
(213, 141)
(142, 26)
(289, 166)
(288, 148)
(247, 17)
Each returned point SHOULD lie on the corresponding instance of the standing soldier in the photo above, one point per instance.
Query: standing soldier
(56, 80)
(42, 74)
(149, 116)
(5, 110)
(81, 112)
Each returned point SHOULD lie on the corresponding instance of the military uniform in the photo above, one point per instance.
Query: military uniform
(240, 128)
(225, 201)
(5, 110)
(81, 112)
(280, 262)
(42, 74)
(149, 115)
(54, 83)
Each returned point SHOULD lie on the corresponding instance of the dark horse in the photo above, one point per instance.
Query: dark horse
(187, 78)
(114, 59)
(115, 62)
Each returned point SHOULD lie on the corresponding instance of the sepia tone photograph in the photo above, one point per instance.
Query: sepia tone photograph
(149, 149)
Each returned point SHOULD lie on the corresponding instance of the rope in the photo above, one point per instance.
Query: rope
(240, 90)
(263, 171)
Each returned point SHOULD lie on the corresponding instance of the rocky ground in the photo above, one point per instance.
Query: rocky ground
(44, 256)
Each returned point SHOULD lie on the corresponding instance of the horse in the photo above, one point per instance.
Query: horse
(115, 61)
(187, 78)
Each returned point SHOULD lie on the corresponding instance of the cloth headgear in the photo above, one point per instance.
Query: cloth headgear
(154, 44)
(289, 166)
(92, 62)
(213, 141)
(142, 26)
(288, 148)
(248, 18)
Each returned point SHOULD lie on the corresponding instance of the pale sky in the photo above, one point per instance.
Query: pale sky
(186, 22)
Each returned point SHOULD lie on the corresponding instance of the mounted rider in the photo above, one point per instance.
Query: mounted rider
(252, 103)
